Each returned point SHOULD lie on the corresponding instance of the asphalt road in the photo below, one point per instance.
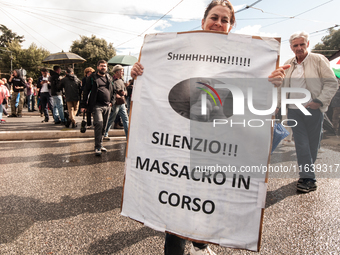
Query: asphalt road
(56, 197)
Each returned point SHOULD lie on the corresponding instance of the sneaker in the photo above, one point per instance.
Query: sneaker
(3, 121)
(11, 116)
(307, 185)
(103, 149)
(288, 143)
(197, 251)
(98, 152)
(106, 138)
(57, 122)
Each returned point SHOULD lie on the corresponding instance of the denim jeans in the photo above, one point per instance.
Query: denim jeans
(307, 136)
(100, 116)
(121, 110)
(29, 102)
(58, 109)
(175, 245)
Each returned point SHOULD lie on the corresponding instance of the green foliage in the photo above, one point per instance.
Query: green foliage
(29, 59)
(92, 49)
(8, 36)
(5, 64)
(329, 42)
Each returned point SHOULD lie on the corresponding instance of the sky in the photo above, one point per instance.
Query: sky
(55, 24)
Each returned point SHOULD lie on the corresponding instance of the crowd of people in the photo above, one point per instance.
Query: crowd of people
(51, 93)
(59, 95)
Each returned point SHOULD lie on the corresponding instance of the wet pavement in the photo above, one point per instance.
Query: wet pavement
(57, 197)
(31, 127)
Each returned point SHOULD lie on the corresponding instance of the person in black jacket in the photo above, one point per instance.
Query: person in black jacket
(19, 85)
(57, 96)
(100, 101)
(71, 84)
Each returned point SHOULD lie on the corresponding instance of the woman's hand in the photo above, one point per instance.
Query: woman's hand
(276, 77)
(137, 70)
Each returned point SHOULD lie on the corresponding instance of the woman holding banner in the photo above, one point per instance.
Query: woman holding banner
(218, 16)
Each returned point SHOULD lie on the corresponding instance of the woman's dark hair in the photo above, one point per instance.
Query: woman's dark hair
(223, 3)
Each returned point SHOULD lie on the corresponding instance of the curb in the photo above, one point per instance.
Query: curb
(40, 135)
(29, 128)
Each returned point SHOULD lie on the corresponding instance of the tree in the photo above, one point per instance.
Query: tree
(5, 65)
(8, 36)
(329, 43)
(92, 49)
(29, 59)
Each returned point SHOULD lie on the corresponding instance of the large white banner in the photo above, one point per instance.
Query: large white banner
(200, 136)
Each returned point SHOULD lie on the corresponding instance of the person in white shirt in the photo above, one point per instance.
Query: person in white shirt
(44, 86)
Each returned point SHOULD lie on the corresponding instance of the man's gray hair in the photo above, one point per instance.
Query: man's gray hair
(299, 34)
